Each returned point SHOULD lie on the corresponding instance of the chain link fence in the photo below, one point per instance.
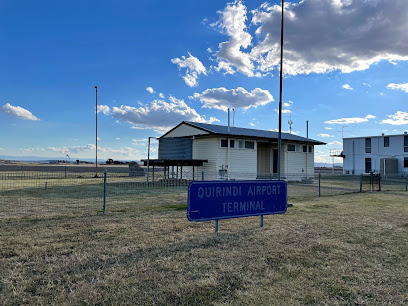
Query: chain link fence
(53, 190)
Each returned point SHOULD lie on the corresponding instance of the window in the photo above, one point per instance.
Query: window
(310, 149)
(405, 143)
(386, 142)
(291, 148)
(405, 162)
(304, 149)
(298, 148)
(249, 145)
(224, 143)
(367, 165)
(368, 145)
(244, 144)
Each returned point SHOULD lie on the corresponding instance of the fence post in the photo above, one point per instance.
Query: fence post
(104, 191)
(202, 175)
(320, 174)
(261, 221)
(361, 182)
(379, 182)
(216, 226)
(65, 171)
(406, 184)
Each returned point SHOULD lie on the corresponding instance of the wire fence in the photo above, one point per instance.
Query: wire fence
(72, 190)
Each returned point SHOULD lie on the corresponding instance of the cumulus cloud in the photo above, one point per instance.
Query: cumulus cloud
(350, 120)
(103, 109)
(403, 87)
(193, 68)
(335, 143)
(347, 86)
(91, 147)
(287, 132)
(159, 115)
(18, 112)
(320, 36)
(325, 135)
(222, 98)
(232, 22)
(161, 95)
(150, 90)
(399, 118)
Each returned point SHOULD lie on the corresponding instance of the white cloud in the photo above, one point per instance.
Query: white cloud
(366, 84)
(117, 138)
(18, 112)
(104, 109)
(193, 68)
(126, 151)
(287, 132)
(285, 104)
(320, 36)
(140, 142)
(232, 23)
(159, 115)
(2, 149)
(150, 90)
(403, 87)
(328, 128)
(222, 98)
(350, 120)
(325, 135)
(335, 143)
(399, 118)
(161, 95)
(347, 86)
(284, 111)
(251, 124)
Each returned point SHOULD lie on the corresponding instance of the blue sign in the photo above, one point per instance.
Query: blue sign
(235, 199)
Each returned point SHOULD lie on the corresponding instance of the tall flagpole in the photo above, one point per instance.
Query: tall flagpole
(96, 131)
(280, 99)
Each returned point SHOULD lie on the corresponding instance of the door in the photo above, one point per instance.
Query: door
(275, 161)
(367, 165)
(264, 161)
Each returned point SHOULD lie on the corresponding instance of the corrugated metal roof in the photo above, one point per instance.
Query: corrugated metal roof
(244, 132)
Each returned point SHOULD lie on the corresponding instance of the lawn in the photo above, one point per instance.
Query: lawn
(338, 250)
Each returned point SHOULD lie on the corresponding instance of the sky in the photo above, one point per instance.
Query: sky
(158, 63)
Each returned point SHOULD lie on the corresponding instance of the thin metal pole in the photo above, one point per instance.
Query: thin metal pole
(280, 99)
(216, 226)
(307, 128)
(261, 221)
(320, 176)
(96, 131)
(361, 182)
(104, 191)
(148, 159)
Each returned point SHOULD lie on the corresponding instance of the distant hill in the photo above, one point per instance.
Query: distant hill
(336, 165)
(38, 159)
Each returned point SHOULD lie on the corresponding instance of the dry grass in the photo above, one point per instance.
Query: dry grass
(342, 250)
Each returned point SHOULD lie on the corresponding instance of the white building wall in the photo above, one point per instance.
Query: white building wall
(296, 166)
(354, 161)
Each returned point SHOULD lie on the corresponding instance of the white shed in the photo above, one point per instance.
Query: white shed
(251, 153)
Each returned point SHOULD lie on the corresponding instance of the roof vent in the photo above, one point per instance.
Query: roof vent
(382, 134)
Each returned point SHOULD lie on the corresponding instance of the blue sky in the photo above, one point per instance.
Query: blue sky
(157, 63)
